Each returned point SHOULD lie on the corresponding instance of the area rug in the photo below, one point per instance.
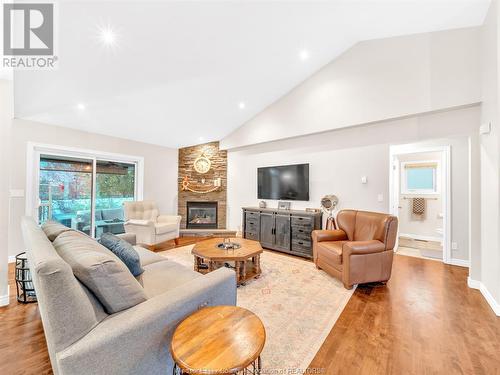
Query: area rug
(297, 303)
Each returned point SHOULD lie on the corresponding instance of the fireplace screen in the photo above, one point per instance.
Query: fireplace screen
(202, 215)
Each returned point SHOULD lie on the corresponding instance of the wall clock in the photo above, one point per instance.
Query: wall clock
(202, 164)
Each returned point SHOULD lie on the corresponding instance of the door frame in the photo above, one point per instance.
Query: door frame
(394, 187)
(35, 150)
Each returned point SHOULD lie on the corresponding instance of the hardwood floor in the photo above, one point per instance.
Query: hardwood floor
(425, 321)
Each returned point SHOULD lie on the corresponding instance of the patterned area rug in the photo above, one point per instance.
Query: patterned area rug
(297, 303)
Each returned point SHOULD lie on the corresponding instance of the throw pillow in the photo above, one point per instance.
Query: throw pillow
(123, 250)
(101, 271)
(52, 229)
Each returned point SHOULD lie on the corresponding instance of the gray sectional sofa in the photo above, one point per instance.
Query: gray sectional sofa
(82, 338)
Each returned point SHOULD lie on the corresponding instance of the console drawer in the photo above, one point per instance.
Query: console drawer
(302, 229)
(302, 246)
(252, 214)
(252, 236)
(301, 232)
(252, 226)
(302, 220)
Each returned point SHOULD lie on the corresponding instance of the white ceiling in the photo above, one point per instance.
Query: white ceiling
(179, 70)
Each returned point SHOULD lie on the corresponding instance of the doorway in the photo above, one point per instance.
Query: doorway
(420, 196)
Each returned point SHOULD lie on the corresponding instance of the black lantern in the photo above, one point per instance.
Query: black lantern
(24, 284)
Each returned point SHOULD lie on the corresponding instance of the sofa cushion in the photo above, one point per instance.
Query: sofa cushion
(52, 229)
(331, 250)
(162, 228)
(148, 256)
(123, 250)
(100, 271)
(160, 277)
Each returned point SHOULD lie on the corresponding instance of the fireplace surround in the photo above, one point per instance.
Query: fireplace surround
(201, 215)
(218, 170)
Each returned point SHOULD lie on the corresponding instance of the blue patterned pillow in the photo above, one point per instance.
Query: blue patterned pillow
(123, 250)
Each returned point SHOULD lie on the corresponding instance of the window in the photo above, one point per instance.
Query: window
(419, 178)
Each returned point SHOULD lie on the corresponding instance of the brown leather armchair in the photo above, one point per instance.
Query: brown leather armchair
(360, 251)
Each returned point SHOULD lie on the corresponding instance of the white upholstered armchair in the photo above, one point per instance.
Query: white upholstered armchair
(143, 219)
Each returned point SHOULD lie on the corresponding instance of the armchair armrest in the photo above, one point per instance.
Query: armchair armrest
(137, 340)
(365, 261)
(363, 247)
(329, 235)
(169, 219)
(129, 237)
(144, 230)
(142, 223)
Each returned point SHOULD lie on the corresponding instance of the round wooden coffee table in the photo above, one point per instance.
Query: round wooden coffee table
(218, 340)
(208, 257)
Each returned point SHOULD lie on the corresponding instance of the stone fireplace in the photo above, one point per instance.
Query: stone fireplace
(201, 215)
(207, 197)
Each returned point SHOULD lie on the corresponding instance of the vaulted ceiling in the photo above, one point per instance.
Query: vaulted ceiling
(181, 73)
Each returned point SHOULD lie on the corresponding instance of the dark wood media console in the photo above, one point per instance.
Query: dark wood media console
(283, 230)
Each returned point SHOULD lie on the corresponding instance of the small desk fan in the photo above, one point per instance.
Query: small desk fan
(328, 204)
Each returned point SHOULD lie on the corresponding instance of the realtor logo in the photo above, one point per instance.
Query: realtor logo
(28, 31)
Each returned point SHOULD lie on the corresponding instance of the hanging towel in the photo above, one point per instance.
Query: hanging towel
(418, 206)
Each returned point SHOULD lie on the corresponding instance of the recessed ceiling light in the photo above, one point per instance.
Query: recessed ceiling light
(107, 36)
(304, 55)
(80, 106)
(242, 105)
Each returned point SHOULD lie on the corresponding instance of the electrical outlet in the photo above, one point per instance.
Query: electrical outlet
(380, 197)
(454, 246)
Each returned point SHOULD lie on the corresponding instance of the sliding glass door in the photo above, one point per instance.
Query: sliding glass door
(115, 184)
(86, 194)
(65, 191)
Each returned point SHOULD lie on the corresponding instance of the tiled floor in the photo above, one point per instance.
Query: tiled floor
(420, 249)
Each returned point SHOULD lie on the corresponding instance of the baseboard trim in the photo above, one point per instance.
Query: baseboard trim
(459, 262)
(475, 284)
(4, 300)
(419, 237)
(12, 258)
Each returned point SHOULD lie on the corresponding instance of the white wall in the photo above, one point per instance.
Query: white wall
(432, 219)
(160, 166)
(373, 81)
(338, 159)
(490, 163)
(6, 114)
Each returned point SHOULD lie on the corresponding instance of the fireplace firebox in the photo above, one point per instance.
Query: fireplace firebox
(201, 215)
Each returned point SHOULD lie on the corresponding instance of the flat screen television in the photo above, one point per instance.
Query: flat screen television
(285, 182)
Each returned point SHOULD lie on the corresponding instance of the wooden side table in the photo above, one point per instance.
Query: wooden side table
(218, 340)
